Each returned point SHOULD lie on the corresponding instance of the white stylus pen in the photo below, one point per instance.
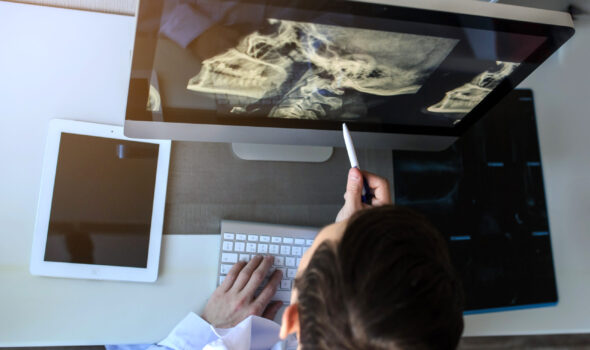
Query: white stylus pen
(354, 163)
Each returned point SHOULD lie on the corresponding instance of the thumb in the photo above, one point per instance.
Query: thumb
(354, 188)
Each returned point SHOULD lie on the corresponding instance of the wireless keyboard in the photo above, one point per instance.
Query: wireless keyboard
(244, 240)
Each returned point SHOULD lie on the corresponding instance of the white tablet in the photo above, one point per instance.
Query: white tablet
(101, 204)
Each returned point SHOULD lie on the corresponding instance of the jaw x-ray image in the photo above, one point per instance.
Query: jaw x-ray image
(460, 101)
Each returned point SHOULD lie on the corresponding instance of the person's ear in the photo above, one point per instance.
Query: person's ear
(290, 322)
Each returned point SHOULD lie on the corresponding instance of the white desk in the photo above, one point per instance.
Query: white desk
(72, 64)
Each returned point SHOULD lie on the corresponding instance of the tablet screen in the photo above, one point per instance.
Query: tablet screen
(102, 202)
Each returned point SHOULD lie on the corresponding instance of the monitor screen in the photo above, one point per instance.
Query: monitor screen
(316, 64)
(486, 195)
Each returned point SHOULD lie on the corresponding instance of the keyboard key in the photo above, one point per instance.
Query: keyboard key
(287, 240)
(228, 236)
(240, 237)
(299, 241)
(262, 248)
(296, 251)
(285, 250)
(228, 246)
(221, 278)
(240, 246)
(290, 261)
(273, 249)
(291, 273)
(251, 247)
(265, 239)
(252, 238)
(229, 258)
(276, 239)
(283, 270)
(283, 295)
(225, 269)
(308, 242)
(244, 257)
(298, 261)
(285, 284)
(279, 261)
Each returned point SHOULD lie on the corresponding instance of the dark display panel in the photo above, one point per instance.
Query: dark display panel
(315, 64)
(485, 194)
(102, 201)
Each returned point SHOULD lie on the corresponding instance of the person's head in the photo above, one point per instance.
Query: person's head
(380, 280)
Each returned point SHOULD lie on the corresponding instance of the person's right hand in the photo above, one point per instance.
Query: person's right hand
(354, 188)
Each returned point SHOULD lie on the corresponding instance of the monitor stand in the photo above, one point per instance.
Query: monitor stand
(284, 153)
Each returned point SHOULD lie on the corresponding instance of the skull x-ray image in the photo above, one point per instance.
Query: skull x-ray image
(315, 71)
(460, 101)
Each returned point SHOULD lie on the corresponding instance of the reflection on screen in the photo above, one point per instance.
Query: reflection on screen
(102, 201)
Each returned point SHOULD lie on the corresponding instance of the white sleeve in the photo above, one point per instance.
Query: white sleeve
(191, 333)
(253, 333)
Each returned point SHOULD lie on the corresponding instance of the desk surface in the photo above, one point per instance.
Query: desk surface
(75, 65)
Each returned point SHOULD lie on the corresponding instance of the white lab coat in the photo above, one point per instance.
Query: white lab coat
(255, 333)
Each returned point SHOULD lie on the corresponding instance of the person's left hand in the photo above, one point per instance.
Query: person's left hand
(233, 301)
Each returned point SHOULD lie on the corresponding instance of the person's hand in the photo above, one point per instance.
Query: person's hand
(354, 188)
(233, 301)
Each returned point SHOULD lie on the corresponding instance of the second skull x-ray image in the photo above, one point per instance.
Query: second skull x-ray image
(249, 60)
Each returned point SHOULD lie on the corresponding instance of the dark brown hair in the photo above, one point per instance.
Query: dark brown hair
(388, 284)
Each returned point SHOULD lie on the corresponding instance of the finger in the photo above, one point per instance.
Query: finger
(258, 275)
(380, 188)
(261, 302)
(272, 309)
(246, 273)
(231, 276)
(354, 189)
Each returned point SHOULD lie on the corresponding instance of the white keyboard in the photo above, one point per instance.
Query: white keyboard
(244, 240)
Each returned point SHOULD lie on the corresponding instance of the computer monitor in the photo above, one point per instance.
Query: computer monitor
(403, 74)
